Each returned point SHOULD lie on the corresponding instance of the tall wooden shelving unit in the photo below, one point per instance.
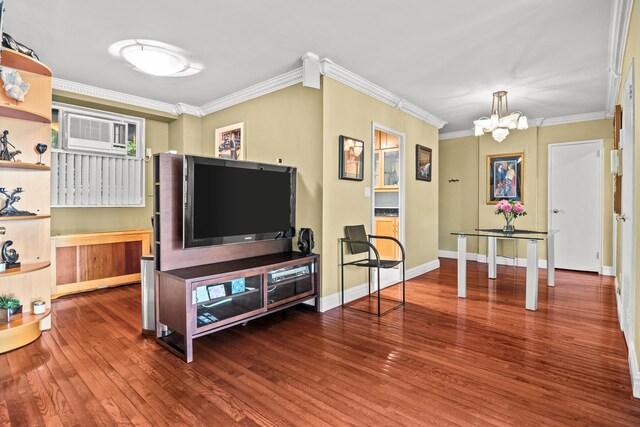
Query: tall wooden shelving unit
(28, 124)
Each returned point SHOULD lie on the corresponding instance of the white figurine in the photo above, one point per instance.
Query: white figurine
(14, 87)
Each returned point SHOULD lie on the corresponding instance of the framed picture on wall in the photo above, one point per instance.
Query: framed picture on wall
(424, 163)
(230, 142)
(505, 177)
(351, 159)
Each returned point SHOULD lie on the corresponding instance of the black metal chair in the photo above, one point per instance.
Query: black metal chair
(359, 242)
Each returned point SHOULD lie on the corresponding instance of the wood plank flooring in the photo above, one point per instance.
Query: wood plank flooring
(439, 360)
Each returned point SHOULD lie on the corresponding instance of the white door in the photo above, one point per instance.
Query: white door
(627, 145)
(575, 207)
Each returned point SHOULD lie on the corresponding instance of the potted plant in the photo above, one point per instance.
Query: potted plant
(9, 307)
(510, 210)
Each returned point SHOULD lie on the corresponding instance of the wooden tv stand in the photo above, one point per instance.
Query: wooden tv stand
(199, 300)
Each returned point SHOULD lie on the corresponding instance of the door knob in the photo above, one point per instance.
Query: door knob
(623, 217)
(558, 211)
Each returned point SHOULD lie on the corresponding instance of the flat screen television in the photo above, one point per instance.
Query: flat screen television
(232, 201)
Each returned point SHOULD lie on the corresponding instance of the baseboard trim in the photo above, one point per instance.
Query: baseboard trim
(332, 301)
(607, 270)
(521, 262)
(454, 255)
(616, 290)
(634, 372)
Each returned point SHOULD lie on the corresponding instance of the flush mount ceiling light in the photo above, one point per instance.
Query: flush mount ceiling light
(500, 121)
(155, 58)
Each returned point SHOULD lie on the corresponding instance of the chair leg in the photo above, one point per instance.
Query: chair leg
(403, 282)
(342, 272)
(379, 292)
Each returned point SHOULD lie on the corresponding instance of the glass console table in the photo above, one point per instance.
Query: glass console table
(531, 236)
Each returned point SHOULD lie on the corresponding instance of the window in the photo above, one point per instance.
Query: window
(97, 158)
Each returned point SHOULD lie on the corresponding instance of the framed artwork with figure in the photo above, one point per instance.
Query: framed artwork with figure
(230, 142)
(423, 163)
(505, 177)
(351, 158)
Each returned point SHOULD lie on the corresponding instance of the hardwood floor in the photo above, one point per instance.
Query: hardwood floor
(439, 360)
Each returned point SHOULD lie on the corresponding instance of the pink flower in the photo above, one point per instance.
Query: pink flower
(507, 207)
(518, 208)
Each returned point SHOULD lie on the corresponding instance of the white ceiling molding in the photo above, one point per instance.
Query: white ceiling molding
(112, 95)
(344, 76)
(192, 110)
(576, 118)
(553, 121)
(279, 82)
(620, 18)
(456, 134)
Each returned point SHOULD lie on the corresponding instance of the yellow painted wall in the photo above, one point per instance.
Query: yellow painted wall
(185, 134)
(632, 53)
(301, 126)
(462, 153)
(86, 220)
(458, 201)
(351, 113)
(286, 125)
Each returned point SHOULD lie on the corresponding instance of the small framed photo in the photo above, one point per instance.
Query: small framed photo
(230, 142)
(351, 154)
(424, 163)
(505, 178)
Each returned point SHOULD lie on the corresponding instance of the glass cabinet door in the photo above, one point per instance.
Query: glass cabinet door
(391, 167)
(219, 301)
(289, 283)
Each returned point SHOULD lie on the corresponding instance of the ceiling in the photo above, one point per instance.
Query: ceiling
(444, 57)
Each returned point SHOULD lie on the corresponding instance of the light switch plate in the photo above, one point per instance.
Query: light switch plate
(367, 191)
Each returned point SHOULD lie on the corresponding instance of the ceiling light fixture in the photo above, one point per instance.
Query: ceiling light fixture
(500, 121)
(155, 58)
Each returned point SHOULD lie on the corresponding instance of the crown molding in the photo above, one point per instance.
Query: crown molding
(456, 134)
(346, 77)
(279, 82)
(191, 110)
(575, 118)
(540, 122)
(112, 95)
(618, 30)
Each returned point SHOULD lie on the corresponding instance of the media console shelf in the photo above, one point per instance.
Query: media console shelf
(199, 300)
(201, 290)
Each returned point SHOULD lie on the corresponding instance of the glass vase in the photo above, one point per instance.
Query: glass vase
(508, 225)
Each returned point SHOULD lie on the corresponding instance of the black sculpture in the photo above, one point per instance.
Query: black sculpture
(10, 43)
(10, 256)
(41, 148)
(9, 209)
(5, 152)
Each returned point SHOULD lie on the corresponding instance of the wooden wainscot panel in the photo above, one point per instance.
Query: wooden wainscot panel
(84, 262)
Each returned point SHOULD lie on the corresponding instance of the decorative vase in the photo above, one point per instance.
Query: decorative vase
(508, 226)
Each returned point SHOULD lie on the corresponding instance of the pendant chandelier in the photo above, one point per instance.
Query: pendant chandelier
(500, 121)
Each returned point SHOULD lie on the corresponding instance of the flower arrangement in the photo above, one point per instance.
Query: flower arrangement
(510, 210)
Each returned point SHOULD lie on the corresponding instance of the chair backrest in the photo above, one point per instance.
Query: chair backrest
(356, 232)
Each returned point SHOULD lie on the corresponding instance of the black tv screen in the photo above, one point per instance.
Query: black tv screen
(229, 201)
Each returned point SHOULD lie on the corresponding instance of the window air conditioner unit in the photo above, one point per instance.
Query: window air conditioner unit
(95, 135)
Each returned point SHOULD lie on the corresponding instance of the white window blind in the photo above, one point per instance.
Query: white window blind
(92, 180)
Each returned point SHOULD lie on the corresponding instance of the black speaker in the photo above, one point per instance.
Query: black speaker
(305, 241)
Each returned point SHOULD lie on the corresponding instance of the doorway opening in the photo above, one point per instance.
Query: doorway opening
(387, 197)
